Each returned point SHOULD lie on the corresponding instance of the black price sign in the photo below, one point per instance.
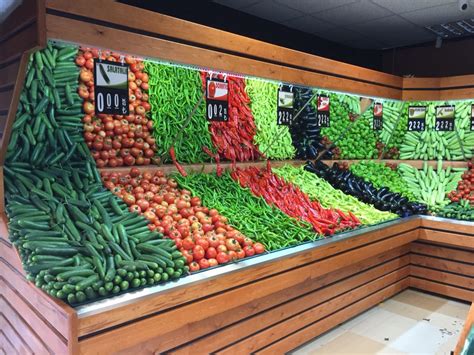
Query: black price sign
(217, 100)
(323, 115)
(378, 117)
(472, 117)
(111, 87)
(444, 118)
(416, 118)
(285, 110)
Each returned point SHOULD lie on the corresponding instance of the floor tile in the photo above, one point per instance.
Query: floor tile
(320, 341)
(349, 343)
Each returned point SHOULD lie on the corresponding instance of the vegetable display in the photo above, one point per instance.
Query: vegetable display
(292, 201)
(381, 175)
(360, 141)
(233, 139)
(461, 209)
(329, 197)
(263, 102)
(305, 131)
(382, 199)
(77, 241)
(249, 214)
(116, 140)
(432, 144)
(465, 187)
(176, 94)
(394, 128)
(202, 235)
(429, 185)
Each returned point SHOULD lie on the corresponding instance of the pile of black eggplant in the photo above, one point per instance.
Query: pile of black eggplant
(305, 132)
(353, 185)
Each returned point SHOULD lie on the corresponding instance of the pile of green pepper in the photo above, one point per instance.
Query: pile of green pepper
(263, 102)
(320, 190)
(249, 214)
(380, 175)
(174, 92)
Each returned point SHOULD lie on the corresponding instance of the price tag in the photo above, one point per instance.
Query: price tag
(472, 117)
(323, 115)
(111, 87)
(217, 99)
(378, 117)
(285, 109)
(444, 118)
(416, 118)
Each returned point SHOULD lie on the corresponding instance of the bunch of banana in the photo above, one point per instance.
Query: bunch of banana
(429, 185)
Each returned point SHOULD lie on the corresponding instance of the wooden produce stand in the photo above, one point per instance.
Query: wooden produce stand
(266, 304)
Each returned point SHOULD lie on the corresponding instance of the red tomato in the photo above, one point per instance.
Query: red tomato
(211, 252)
(194, 266)
(240, 253)
(135, 208)
(221, 248)
(213, 241)
(202, 242)
(249, 250)
(188, 243)
(198, 252)
(259, 248)
(212, 262)
(204, 263)
(222, 258)
(232, 244)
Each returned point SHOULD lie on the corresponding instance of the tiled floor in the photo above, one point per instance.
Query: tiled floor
(412, 322)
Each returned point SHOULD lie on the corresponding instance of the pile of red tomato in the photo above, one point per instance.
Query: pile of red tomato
(116, 140)
(201, 234)
(465, 189)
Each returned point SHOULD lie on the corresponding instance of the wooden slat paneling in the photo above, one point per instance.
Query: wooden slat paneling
(443, 252)
(443, 265)
(305, 334)
(442, 289)
(263, 320)
(6, 345)
(5, 99)
(116, 316)
(303, 319)
(127, 42)
(442, 277)
(448, 238)
(39, 333)
(8, 73)
(11, 333)
(23, 41)
(449, 225)
(159, 24)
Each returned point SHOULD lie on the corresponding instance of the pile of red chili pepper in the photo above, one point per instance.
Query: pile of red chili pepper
(233, 139)
(292, 201)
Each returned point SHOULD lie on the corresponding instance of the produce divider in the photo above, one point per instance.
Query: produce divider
(79, 242)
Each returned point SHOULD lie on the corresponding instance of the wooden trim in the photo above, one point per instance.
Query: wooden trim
(448, 238)
(443, 264)
(441, 289)
(304, 335)
(442, 252)
(127, 42)
(441, 277)
(162, 25)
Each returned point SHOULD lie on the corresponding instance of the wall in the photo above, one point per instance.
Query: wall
(453, 58)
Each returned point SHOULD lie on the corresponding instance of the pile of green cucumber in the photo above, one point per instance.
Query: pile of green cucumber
(76, 239)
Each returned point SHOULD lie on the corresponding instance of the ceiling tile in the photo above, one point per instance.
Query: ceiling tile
(311, 6)
(357, 12)
(272, 11)
(339, 34)
(364, 44)
(308, 24)
(439, 14)
(401, 6)
(236, 4)
(393, 30)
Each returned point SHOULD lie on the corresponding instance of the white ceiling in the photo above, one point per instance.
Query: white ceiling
(376, 24)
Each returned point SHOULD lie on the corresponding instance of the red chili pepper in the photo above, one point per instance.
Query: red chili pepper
(175, 162)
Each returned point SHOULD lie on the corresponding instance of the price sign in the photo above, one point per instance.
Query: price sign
(378, 117)
(111, 87)
(285, 109)
(472, 117)
(323, 115)
(416, 118)
(217, 100)
(444, 118)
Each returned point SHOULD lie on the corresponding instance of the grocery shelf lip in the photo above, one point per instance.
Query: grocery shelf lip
(107, 304)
